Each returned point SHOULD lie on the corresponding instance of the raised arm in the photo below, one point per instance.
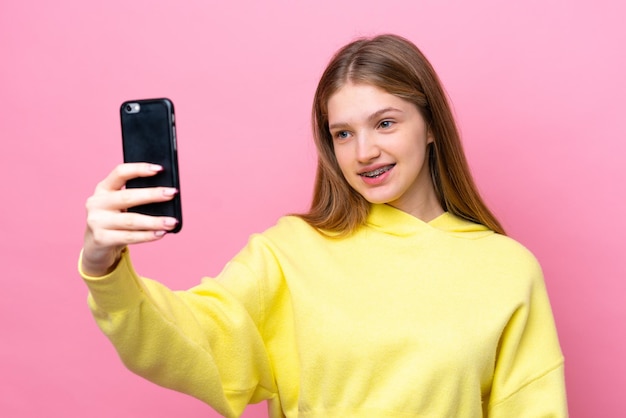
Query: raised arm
(203, 342)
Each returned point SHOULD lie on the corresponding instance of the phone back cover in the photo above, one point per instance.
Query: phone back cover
(149, 136)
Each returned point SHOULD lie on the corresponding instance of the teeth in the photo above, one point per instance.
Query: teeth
(377, 172)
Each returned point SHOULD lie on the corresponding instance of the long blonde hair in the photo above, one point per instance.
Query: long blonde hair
(397, 66)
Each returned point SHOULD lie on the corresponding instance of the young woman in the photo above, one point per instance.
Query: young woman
(396, 295)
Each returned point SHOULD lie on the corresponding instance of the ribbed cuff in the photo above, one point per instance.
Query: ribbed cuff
(119, 290)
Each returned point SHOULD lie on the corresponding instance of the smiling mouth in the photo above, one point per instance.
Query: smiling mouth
(377, 172)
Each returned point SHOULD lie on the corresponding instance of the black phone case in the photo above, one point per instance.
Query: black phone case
(149, 135)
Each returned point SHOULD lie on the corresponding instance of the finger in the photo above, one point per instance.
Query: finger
(106, 231)
(106, 238)
(117, 178)
(127, 198)
(129, 221)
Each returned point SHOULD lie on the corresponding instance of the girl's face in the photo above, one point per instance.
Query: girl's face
(380, 144)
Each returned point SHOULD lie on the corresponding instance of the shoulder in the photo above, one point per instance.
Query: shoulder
(288, 233)
(513, 264)
(508, 245)
(290, 228)
(490, 248)
(512, 250)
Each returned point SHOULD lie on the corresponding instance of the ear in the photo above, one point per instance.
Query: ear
(430, 136)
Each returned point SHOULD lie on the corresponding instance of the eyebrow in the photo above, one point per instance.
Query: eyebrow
(370, 118)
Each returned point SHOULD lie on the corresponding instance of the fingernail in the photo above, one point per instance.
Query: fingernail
(169, 191)
(155, 167)
(159, 233)
(170, 221)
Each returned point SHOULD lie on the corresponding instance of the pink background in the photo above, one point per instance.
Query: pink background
(538, 87)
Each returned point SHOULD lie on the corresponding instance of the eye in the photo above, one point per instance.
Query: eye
(341, 134)
(386, 124)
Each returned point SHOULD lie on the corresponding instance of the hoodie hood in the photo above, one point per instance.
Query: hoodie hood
(396, 222)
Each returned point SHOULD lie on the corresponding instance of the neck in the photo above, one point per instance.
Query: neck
(425, 210)
(423, 204)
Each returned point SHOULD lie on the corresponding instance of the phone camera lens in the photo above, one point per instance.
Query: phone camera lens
(129, 108)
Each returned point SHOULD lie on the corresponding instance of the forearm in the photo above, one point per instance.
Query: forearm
(205, 346)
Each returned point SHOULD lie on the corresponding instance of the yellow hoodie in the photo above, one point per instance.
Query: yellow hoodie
(401, 319)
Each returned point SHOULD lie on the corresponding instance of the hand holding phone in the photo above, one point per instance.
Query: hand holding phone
(149, 135)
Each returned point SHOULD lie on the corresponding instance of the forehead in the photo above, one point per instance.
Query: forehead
(359, 101)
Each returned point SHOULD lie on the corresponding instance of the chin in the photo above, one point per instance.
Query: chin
(378, 200)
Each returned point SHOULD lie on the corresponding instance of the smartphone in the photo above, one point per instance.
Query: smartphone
(149, 135)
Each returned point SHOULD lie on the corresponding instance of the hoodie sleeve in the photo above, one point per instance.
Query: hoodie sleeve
(529, 376)
(203, 342)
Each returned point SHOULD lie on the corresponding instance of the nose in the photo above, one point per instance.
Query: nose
(366, 148)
